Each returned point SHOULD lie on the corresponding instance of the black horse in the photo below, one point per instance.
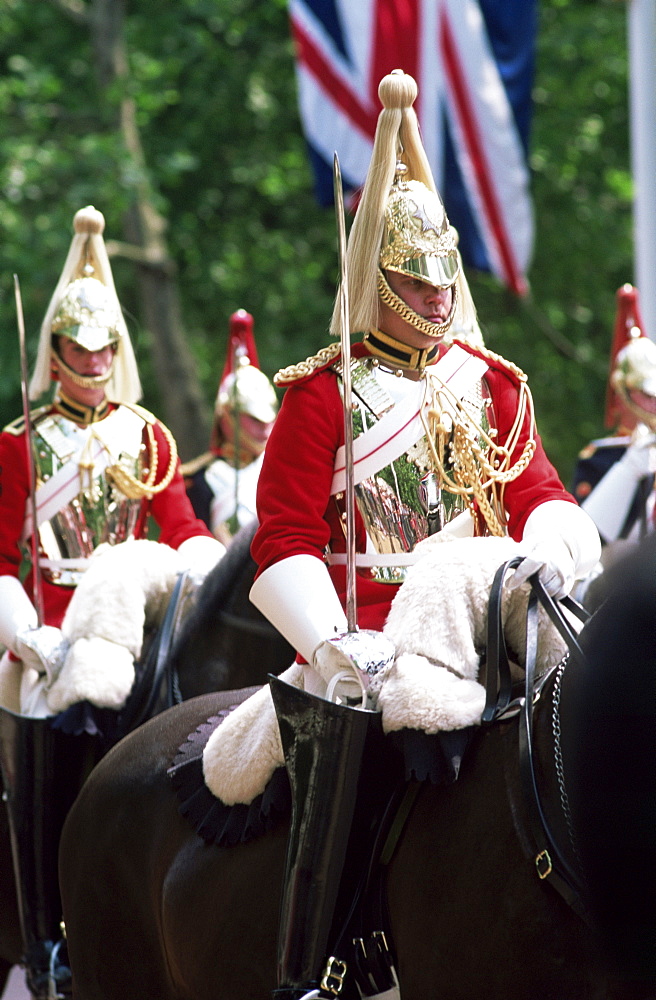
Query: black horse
(153, 911)
(226, 643)
(223, 643)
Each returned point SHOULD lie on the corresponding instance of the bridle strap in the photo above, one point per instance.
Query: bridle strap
(498, 680)
(549, 861)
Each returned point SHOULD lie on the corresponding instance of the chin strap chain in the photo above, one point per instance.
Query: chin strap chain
(391, 299)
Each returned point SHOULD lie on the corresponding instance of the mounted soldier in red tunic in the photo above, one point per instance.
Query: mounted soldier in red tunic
(222, 483)
(80, 479)
(614, 477)
(444, 446)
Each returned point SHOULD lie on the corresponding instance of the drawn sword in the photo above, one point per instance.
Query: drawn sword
(37, 589)
(345, 342)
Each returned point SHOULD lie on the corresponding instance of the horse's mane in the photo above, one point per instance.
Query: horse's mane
(218, 587)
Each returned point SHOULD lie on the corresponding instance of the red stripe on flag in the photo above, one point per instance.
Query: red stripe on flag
(396, 36)
(477, 154)
(309, 55)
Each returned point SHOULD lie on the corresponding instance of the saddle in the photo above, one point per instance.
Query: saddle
(420, 757)
(435, 757)
(155, 687)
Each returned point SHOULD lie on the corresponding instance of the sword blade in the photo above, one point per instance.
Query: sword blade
(345, 342)
(37, 589)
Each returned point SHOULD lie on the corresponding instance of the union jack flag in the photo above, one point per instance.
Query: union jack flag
(473, 63)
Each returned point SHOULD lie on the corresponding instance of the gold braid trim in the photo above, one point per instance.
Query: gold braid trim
(292, 373)
(136, 489)
(480, 468)
(517, 372)
(85, 381)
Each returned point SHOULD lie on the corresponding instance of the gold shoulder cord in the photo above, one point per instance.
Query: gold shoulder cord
(480, 468)
(304, 368)
(136, 489)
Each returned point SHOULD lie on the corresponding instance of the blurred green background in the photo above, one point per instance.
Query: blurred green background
(179, 121)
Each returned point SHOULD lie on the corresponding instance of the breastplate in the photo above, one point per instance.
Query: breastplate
(99, 512)
(407, 500)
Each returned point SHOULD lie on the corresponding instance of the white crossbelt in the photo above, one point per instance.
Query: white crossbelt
(403, 426)
(368, 559)
(78, 565)
(57, 492)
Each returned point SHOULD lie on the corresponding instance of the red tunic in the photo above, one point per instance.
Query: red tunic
(297, 513)
(170, 509)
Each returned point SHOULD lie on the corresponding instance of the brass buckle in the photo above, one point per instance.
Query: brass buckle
(543, 864)
(333, 977)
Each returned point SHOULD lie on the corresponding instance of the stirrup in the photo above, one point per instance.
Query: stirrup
(346, 675)
(49, 979)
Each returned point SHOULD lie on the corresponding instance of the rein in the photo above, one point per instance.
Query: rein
(548, 858)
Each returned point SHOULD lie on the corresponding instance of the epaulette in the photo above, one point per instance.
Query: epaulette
(302, 370)
(17, 426)
(194, 465)
(496, 360)
(612, 441)
(142, 412)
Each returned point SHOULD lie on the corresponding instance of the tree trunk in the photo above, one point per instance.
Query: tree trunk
(184, 408)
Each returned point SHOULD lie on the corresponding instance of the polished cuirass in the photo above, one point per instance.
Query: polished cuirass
(79, 504)
(408, 498)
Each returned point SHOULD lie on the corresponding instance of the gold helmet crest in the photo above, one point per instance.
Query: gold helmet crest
(85, 308)
(88, 314)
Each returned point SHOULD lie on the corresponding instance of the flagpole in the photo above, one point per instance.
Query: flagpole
(641, 31)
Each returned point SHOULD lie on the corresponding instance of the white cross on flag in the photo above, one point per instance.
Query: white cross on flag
(473, 63)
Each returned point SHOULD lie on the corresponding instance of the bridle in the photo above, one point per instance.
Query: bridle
(549, 859)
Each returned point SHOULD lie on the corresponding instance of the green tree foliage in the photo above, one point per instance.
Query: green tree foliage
(214, 86)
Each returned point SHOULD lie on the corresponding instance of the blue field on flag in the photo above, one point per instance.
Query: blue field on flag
(473, 61)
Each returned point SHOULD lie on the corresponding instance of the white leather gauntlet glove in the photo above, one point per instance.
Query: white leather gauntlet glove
(560, 543)
(609, 502)
(552, 559)
(348, 663)
(44, 649)
(200, 554)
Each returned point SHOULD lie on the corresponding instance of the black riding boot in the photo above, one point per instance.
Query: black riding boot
(41, 773)
(333, 826)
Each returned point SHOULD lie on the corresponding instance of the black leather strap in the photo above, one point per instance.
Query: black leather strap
(549, 861)
(498, 682)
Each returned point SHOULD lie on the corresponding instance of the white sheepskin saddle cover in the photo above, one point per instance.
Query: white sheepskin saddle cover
(125, 587)
(438, 623)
